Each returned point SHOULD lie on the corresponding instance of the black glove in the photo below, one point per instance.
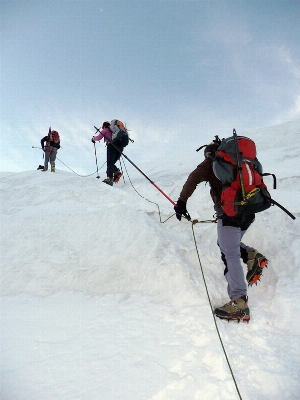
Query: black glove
(180, 210)
(93, 140)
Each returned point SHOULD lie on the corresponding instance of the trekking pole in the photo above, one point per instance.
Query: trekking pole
(96, 161)
(40, 148)
(135, 166)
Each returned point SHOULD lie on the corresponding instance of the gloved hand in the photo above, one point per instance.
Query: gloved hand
(180, 210)
(93, 140)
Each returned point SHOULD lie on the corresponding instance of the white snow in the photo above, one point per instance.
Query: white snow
(99, 300)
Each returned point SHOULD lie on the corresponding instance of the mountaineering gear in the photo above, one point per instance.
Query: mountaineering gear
(119, 133)
(108, 181)
(257, 200)
(256, 262)
(40, 167)
(52, 140)
(52, 168)
(117, 174)
(135, 166)
(235, 310)
(117, 177)
(240, 172)
(98, 176)
(180, 209)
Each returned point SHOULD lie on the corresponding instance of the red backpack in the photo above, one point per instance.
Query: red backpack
(54, 137)
(240, 172)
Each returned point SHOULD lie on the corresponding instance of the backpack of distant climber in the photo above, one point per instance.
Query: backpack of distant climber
(119, 133)
(53, 138)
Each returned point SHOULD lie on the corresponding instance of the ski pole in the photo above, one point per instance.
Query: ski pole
(40, 148)
(96, 161)
(135, 166)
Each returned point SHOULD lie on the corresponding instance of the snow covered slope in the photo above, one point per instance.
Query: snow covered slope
(102, 301)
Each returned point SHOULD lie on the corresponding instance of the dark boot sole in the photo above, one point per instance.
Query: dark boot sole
(243, 318)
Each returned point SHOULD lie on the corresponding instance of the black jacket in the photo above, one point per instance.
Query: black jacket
(48, 143)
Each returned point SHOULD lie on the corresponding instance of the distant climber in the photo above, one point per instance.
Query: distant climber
(50, 144)
(113, 153)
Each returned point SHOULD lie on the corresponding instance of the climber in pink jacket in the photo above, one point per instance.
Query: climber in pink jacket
(105, 133)
(113, 154)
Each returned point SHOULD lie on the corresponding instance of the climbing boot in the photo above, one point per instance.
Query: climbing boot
(109, 181)
(235, 310)
(52, 168)
(256, 262)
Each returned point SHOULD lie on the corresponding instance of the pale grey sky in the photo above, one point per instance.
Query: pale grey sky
(177, 72)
